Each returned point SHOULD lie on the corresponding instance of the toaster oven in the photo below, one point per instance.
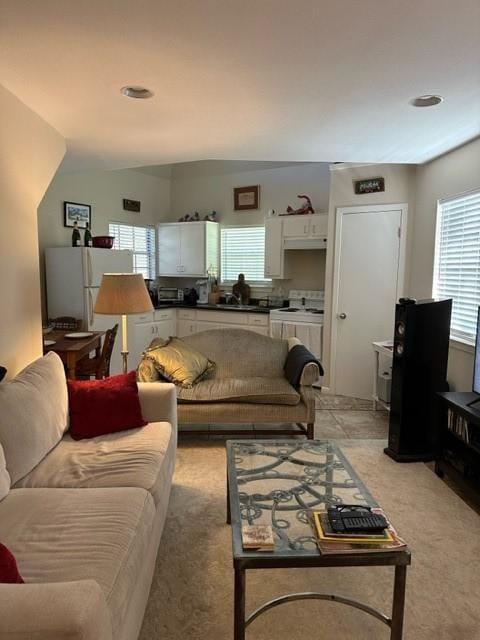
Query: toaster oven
(169, 294)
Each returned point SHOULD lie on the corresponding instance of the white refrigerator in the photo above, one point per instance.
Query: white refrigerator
(73, 277)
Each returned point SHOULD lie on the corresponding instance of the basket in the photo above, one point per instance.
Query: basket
(103, 242)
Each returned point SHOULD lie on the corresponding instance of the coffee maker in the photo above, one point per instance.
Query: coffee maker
(202, 286)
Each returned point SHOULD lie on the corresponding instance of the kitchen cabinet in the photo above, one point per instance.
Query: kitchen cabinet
(274, 254)
(192, 321)
(305, 226)
(145, 328)
(187, 249)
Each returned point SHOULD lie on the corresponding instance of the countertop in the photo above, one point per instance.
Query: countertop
(212, 307)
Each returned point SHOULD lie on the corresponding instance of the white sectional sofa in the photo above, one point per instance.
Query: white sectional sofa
(83, 518)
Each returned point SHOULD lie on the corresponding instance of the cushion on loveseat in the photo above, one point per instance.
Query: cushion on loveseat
(136, 458)
(251, 390)
(33, 414)
(65, 535)
(4, 476)
(178, 362)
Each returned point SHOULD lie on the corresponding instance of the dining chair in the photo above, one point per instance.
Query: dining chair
(98, 367)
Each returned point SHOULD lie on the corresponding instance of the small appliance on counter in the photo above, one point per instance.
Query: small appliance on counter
(190, 296)
(169, 295)
(202, 286)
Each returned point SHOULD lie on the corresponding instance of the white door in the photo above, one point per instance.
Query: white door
(367, 282)
(273, 248)
(96, 262)
(169, 250)
(193, 249)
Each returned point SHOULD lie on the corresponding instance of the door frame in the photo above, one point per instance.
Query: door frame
(340, 212)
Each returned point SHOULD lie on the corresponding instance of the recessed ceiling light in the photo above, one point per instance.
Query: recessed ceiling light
(426, 101)
(136, 92)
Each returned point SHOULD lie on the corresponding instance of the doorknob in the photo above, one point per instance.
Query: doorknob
(342, 316)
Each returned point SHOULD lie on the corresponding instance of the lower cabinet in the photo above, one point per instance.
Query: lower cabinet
(145, 328)
(192, 321)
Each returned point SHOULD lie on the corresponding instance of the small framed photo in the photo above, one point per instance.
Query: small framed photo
(79, 213)
(245, 198)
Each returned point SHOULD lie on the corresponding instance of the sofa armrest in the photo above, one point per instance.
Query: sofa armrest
(54, 611)
(159, 402)
(311, 371)
(307, 395)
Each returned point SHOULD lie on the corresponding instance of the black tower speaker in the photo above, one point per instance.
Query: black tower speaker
(420, 357)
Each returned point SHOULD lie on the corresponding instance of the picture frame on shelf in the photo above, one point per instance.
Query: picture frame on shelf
(246, 198)
(75, 212)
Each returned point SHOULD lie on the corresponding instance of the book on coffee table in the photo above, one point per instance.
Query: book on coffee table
(258, 537)
(329, 542)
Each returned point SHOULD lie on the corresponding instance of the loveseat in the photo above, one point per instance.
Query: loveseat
(83, 518)
(247, 384)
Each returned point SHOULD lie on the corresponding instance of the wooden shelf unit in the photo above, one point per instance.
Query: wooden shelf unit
(459, 440)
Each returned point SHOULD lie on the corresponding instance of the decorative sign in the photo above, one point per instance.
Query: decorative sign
(370, 185)
(246, 198)
(131, 205)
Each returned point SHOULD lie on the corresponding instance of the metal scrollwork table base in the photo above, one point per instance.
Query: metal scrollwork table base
(277, 483)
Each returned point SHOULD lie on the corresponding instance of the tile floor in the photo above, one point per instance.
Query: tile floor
(336, 417)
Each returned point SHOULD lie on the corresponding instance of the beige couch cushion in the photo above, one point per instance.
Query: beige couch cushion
(33, 414)
(66, 535)
(136, 458)
(4, 476)
(239, 353)
(251, 390)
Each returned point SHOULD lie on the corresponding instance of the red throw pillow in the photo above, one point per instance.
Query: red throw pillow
(8, 567)
(104, 406)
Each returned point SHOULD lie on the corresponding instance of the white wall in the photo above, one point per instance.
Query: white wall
(31, 153)
(104, 191)
(451, 174)
(399, 188)
(208, 185)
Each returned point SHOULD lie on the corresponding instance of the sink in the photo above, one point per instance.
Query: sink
(236, 307)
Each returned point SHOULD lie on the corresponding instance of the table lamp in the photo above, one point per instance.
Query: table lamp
(123, 294)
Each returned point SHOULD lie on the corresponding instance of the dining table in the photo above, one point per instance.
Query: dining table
(72, 349)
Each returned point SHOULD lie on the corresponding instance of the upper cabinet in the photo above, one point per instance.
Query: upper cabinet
(305, 227)
(292, 232)
(187, 249)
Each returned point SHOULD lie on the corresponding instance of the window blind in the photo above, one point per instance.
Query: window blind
(140, 240)
(457, 261)
(243, 251)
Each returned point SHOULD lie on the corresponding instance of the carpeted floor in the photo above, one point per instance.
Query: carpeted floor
(192, 591)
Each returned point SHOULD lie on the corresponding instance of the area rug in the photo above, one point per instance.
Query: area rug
(192, 591)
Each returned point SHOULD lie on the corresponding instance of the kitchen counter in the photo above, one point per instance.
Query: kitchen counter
(213, 307)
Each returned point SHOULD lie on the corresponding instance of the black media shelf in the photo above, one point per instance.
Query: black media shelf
(459, 440)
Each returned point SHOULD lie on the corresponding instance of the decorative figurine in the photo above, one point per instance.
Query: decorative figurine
(241, 290)
(306, 207)
(196, 217)
(211, 217)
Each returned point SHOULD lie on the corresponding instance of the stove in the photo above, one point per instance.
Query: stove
(305, 306)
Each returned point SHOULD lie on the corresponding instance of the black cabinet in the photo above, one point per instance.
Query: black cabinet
(459, 440)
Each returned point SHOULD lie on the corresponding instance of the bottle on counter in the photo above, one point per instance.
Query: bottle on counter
(76, 239)
(87, 238)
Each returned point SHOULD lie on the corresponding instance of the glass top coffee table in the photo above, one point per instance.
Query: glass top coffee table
(277, 483)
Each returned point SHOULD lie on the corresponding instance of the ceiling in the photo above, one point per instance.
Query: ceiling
(264, 80)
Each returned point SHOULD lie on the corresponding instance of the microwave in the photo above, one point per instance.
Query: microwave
(169, 294)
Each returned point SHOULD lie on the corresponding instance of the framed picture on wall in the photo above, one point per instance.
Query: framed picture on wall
(245, 198)
(79, 213)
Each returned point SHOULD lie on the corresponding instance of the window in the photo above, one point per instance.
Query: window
(457, 261)
(140, 240)
(243, 251)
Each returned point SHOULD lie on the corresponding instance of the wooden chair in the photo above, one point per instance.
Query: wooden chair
(98, 367)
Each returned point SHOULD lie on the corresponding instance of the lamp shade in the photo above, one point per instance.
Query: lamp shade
(122, 294)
